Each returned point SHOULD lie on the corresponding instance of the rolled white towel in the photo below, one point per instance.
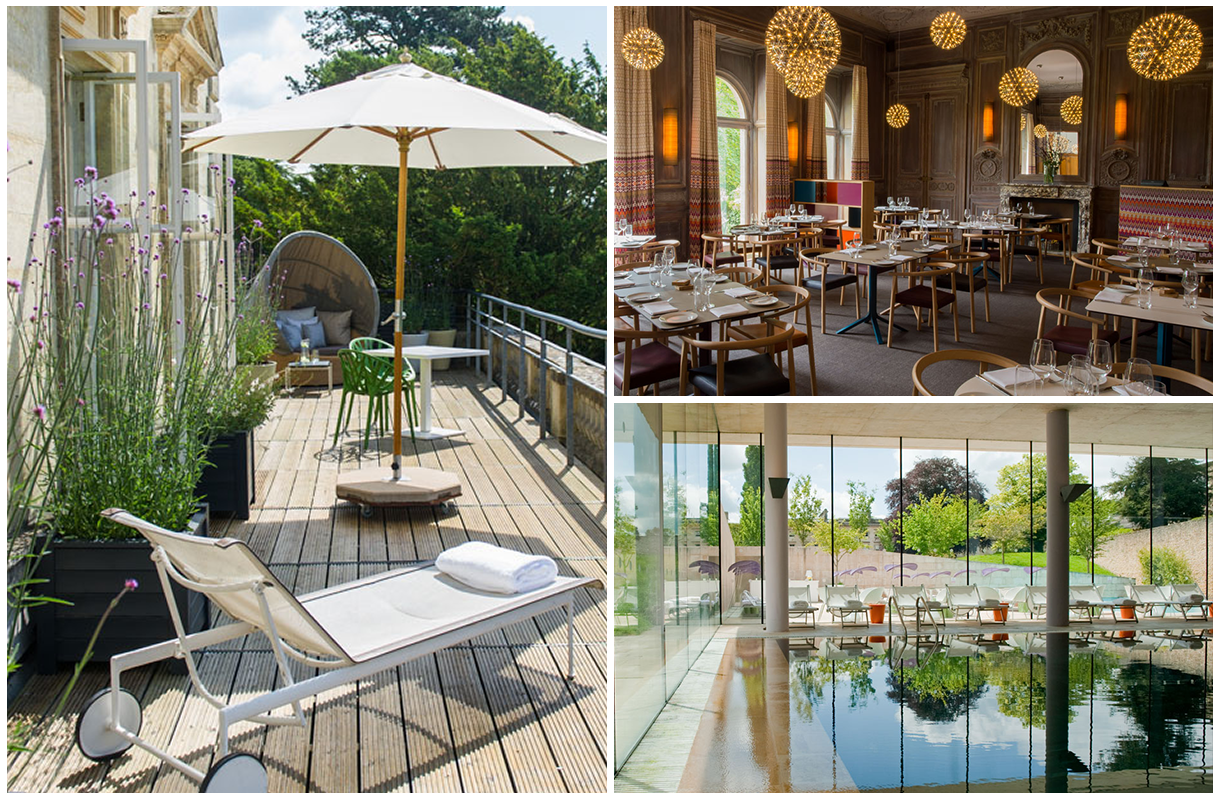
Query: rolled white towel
(497, 569)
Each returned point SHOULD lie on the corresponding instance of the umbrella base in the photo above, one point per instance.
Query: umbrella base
(376, 487)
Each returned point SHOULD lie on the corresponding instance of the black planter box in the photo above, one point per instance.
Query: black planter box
(227, 482)
(89, 574)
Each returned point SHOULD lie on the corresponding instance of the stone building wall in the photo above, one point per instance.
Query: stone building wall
(1187, 539)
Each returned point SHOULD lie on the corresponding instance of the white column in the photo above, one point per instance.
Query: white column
(1057, 520)
(775, 509)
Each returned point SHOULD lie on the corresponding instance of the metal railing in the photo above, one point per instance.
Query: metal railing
(492, 319)
(893, 603)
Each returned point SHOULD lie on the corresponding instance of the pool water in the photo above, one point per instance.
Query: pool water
(1004, 712)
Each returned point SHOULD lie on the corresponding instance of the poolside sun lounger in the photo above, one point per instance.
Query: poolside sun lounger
(915, 599)
(1037, 601)
(842, 601)
(801, 605)
(1185, 596)
(347, 632)
(967, 599)
(1148, 598)
(1086, 599)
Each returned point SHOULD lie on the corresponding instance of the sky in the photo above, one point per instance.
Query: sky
(262, 45)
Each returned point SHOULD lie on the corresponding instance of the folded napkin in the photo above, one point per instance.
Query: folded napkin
(1120, 259)
(1005, 377)
(659, 307)
(1169, 270)
(624, 284)
(902, 257)
(496, 569)
(1110, 296)
(643, 270)
(1127, 391)
(740, 291)
(734, 308)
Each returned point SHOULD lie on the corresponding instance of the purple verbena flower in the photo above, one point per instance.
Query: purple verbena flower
(91, 173)
(40, 411)
(131, 584)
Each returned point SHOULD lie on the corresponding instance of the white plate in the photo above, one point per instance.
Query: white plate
(643, 297)
(765, 300)
(679, 318)
(925, 249)
(885, 263)
(720, 278)
(1122, 287)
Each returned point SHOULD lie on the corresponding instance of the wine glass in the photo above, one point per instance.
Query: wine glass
(669, 255)
(1079, 378)
(1190, 288)
(1138, 375)
(889, 201)
(1042, 359)
(1101, 357)
(305, 345)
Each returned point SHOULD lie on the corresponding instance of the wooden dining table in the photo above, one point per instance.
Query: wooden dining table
(874, 260)
(724, 307)
(1166, 311)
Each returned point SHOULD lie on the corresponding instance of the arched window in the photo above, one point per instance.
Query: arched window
(734, 143)
(833, 138)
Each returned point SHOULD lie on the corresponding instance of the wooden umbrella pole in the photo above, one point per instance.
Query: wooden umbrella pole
(404, 147)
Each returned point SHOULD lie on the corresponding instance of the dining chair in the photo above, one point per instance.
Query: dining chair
(798, 305)
(1069, 338)
(746, 276)
(968, 268)
(1035, 236)
(645, 360)
(374, 379)
(627, 266)
(723, 251)
(1100, 274)
(1058, 230)
(1109, 247)
(922, 292)
(981, 357)
(991, 245)
(1181, 375)
(776, 255)
(819, 281)
(753, 375)
(832, 233)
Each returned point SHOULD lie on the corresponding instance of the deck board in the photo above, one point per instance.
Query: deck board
(495, 714)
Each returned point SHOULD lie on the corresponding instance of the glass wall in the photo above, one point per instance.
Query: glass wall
(864, 549)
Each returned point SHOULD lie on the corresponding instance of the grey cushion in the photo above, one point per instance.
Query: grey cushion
(299, 314)
(314, 332)
(338, 326)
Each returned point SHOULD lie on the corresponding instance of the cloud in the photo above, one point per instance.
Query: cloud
(255, 76)
(520, 19)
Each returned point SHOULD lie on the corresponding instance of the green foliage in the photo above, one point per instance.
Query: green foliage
(625, 531)
(709, 523)
(859, 507)
(929, 477)
(729, 143)
(1164, 567)
(1006, 526)
(535, 236)
(673, 514)
(1016, 489)
(1023, 558)
(749, 530)
(804, 510)
(1091, 525)
(810, 678)
(246, 404)
(1178, 489)
(936, 525)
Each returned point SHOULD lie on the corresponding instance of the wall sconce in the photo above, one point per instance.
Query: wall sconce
(778, 487)
(669, 137)
(1120, 117)
(794, 143)
(989, 121)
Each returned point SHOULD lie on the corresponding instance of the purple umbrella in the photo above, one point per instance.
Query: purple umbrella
(1032, 570)
(746, 568)
(921, 574)
(990, 570)
(868, 569)
(935, 574)
(959, 573)
(705, 567)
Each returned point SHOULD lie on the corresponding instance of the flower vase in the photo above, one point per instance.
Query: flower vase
(1048, 174)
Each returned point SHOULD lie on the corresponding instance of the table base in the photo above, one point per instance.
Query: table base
(437, 433)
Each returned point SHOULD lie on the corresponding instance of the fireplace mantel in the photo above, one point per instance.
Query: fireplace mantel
(1081, 193)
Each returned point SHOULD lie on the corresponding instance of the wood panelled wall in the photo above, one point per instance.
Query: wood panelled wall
(940, 157)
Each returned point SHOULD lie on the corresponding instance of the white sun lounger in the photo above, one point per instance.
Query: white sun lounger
(844, 600)
(1085, 599)
(1148, 598)
(347, 632)
(968, 599)
(1185, 596)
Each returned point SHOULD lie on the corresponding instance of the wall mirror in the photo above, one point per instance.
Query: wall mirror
(1044, 133)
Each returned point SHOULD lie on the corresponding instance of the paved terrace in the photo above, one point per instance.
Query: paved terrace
(493, 715)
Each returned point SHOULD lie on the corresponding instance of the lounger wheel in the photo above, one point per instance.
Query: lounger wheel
(236, 772)
(366, 511)
(93, 735)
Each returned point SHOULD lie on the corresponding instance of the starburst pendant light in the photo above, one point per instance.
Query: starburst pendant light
(803, 81)
(643, 48)
(948, 30)
(1039, 131)
(1018, 86)
(897, 115)
(1165, 47)
(803, 38)
(1072, 110)
(1022, 122)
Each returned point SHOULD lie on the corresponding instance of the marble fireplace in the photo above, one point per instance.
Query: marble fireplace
(1046, 196)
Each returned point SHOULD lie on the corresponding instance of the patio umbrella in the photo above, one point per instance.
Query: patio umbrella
(745, 568)
(867, 569)
(990, 570)
(705, 567)
(374, 119)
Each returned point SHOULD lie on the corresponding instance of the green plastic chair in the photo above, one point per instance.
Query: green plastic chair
(373, 377)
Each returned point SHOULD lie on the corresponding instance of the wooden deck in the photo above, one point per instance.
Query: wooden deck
(493, 715)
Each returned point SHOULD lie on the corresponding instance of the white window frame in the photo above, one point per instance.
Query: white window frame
(747, 125)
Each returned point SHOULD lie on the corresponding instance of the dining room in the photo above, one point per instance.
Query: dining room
(893, 200)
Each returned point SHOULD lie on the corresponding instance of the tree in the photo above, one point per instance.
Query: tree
(936, 525)
(1179, 488)
(1006, 527)
(930, 477)
(625, 532)
(748, 532)
(840, 537)
(1091, 525)
(1016, 490)
(752, 470)
(804, 510)
(709, 524)
(859, 507)
(673, 513)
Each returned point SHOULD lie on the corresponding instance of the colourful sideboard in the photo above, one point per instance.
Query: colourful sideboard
(1143, 209)
(848, 200)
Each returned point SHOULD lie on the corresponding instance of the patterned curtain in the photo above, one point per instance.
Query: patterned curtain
(859, 124)
(704, 156)
(633, 150)
(779, 173)
(815, 136)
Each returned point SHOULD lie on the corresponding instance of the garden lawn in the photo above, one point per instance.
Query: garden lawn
(1077, 563)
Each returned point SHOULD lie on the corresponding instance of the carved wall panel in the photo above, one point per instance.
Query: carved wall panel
(1118, 166)
(1077, 28)
(991, 40)
(1124, 23)
(987, 166)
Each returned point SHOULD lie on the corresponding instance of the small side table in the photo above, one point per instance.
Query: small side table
(310, 366)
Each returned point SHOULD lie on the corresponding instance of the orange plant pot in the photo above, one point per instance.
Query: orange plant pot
(1126, 612)
(877, 639)
(1001, 614)
(876, 612)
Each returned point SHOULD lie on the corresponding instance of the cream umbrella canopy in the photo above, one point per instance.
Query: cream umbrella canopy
(405, 116)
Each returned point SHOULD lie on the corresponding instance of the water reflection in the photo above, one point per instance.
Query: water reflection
(1000, 712)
